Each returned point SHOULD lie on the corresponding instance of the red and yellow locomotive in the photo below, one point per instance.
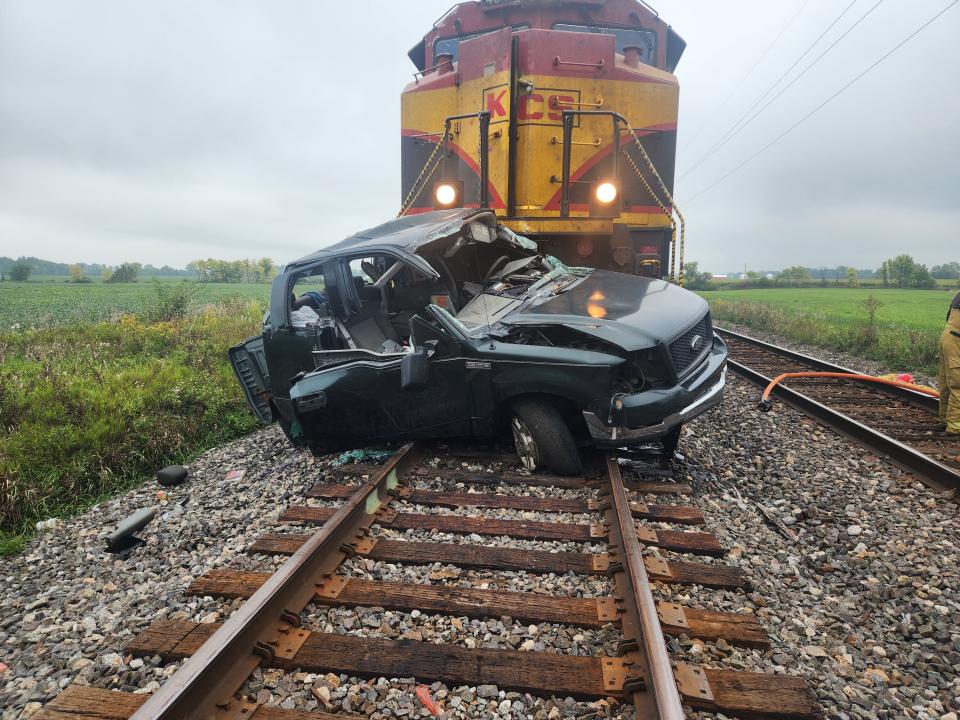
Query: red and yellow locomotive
(560, 115)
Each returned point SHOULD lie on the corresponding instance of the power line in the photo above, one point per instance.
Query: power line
(734, 131)
(749, 72)
(779, 80)
(826, 102)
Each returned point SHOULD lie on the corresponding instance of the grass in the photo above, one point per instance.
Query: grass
(904, 334)
(47, 302)
(89, 408)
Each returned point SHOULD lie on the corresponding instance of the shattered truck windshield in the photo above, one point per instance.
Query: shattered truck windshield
(493, 274)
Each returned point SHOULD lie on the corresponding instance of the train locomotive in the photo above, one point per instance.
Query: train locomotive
(560, 116)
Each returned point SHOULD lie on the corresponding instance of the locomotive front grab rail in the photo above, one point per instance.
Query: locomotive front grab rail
(484, 117)
(558, 104)
(599, 65)
(567, 120)
(593, 143)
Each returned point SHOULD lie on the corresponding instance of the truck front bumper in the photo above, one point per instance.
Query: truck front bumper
(644, 417)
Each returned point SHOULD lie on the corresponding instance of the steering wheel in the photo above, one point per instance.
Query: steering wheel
(497, 264)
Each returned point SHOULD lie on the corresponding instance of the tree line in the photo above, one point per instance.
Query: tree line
(210, 270)
(39, 266)
(900, 272)
(234, 271)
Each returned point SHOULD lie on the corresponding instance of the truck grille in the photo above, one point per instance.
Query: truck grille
(682, 350)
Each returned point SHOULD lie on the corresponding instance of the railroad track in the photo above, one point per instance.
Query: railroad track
(899, 425)
(647, 543)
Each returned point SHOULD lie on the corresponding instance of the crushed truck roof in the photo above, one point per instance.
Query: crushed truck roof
(408, 233)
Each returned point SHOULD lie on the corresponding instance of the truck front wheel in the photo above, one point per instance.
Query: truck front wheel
(542, 438)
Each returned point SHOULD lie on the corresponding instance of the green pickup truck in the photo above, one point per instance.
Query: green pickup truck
(447, 324)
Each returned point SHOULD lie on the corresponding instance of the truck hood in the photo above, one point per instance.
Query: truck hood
(631, 312)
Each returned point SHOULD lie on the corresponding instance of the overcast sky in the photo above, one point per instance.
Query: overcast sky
(162, 131)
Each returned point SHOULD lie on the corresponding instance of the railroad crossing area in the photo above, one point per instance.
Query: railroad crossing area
(447, 582)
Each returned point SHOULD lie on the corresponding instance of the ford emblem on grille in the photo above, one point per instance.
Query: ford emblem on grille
(696, 342)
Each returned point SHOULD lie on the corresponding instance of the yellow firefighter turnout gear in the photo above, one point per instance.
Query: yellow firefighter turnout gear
(950, 369)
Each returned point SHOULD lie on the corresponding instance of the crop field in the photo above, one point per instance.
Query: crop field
(903, 335)
(53, 302)
(912, 309)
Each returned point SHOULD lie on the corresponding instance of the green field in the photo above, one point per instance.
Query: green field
(47, 302)
(904, 336)
(101, 385)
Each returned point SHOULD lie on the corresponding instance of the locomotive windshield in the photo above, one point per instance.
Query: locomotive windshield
(451, 45)
(645, 40)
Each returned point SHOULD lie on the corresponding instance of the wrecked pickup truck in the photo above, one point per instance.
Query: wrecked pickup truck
(447, 324)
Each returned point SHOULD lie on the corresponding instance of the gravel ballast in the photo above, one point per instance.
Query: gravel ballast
(864, 604)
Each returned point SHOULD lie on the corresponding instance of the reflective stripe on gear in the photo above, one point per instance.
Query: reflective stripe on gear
(950, 379)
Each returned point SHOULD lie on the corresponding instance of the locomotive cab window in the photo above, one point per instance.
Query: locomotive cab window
(451, 45)
(645, 40)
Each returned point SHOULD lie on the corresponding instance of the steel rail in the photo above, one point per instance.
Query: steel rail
(642, 621)
(919, 399)
(928, 470)
(208, 680)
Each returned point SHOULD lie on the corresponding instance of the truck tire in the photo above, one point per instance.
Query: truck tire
(542, 438)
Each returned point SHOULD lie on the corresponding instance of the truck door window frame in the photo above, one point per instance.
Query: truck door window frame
(283, 285)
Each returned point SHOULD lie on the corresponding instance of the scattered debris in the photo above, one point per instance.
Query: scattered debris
(122, 540)
(423, 695)
(358, 456)
(51, 524)
(777, 523)
(172, 475)
(234, 475)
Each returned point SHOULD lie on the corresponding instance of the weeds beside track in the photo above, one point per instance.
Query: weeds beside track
(87, 409)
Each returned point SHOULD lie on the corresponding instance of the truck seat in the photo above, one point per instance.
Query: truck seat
(370, 329)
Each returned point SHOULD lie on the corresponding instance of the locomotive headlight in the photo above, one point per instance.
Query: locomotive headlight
(605, 199)
(447, 194)
(606, 193)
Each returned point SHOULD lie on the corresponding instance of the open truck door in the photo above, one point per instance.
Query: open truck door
(250, 365)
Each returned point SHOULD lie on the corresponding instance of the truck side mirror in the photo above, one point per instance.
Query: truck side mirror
(415, 370)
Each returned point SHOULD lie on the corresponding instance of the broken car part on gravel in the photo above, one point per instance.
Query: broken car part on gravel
(122, 540)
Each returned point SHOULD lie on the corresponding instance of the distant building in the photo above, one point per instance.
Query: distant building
(719, 277)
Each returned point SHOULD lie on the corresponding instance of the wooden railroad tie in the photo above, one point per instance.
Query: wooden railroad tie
(682, 514)
(677, 572)
(539, 673)
(479, 478)
(79, 702)
(735, 628)
(678, 541)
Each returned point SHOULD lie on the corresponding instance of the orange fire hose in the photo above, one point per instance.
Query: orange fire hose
(766, 405)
